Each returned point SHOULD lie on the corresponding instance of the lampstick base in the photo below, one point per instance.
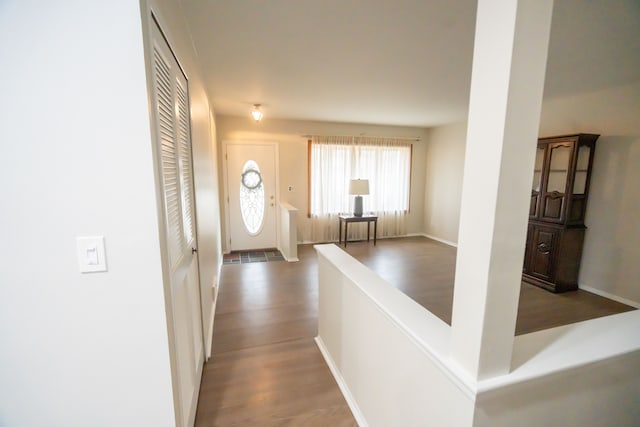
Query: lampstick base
(357, 207)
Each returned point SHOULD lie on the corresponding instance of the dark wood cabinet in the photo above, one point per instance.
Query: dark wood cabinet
(559, 194)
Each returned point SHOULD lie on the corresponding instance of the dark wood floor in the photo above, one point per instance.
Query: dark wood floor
(266, 369)
(424, 270)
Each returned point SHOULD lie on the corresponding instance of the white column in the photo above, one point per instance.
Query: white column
(509, 62)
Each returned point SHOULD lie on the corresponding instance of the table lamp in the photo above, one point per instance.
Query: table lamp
(358, 187)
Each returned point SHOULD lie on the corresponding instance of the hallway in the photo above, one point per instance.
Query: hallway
(266, 369)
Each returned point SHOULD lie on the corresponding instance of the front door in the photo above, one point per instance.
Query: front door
(251, 195)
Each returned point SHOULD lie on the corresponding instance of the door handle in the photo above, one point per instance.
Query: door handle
(194, 250)
(544, 248)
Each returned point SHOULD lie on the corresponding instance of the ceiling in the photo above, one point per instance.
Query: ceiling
(401, 62)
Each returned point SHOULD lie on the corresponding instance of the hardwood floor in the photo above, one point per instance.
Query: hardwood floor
(266, 369)
(424, 270)
(280, 384)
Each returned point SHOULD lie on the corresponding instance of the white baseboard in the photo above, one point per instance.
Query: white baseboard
(344, 388)
(284, 255)
(437, 239)
(608, 295)
(219, 273)
(310, 242)
(209, 340)
(216, 287)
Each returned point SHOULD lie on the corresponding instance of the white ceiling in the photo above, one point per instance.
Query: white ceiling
(400, 62)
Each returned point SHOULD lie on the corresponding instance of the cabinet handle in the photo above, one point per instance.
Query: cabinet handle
(544, 248)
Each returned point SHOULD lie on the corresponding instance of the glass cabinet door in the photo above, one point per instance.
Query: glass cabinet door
(537, 170)
(537, 182)
(582, 167)
(560, 158)
(554, 198)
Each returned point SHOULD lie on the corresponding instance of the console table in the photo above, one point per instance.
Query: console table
(346, 219)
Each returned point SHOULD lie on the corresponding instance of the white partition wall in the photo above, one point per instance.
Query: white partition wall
(389, 355)
(288, 239)
(392, 361)
(399, 365)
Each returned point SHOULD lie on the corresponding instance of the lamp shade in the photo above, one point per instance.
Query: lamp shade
(359, 187)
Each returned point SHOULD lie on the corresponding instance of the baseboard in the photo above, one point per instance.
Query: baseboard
(219, 273)
(608, 295)
(437, 239)
(209, 340)
(286, 258)
(310, 242)
(344, 388)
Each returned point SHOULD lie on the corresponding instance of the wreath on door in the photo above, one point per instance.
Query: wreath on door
(251, 179)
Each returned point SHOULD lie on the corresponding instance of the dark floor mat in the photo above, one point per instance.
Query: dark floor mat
(244, 257)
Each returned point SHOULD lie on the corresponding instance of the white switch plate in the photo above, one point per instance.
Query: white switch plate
(91, 254)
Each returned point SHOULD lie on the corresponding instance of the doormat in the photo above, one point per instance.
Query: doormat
(245, 257)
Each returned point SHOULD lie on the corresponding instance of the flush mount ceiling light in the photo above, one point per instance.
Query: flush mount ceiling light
(256, 113)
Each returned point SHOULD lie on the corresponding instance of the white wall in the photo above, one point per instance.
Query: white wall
(600, 395)
(611, 251)
(390, 356)
(288, 239)
(443, 181)
(293, 157)
(392, 361)
(609, 262)
(205, 154)
(78, 349)
(582, 374)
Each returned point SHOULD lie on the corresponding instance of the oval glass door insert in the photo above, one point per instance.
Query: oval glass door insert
(252, 197)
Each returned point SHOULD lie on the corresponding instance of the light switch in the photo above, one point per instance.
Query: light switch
(91, 254)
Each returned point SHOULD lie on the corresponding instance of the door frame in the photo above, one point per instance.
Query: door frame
(225, 172)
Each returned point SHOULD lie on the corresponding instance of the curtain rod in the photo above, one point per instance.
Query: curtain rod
(408, 138)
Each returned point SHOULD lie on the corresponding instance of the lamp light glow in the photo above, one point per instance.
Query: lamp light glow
(256, 113)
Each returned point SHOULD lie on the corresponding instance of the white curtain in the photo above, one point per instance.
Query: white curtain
(385, 162)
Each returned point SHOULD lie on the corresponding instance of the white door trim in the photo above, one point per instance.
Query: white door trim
(227, 220)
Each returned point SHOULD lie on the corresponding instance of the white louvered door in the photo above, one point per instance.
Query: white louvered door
(173, 136)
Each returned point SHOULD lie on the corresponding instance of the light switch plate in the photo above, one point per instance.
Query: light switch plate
(91, 254)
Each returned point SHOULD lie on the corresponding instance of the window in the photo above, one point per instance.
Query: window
(252, 197)
(385, 162)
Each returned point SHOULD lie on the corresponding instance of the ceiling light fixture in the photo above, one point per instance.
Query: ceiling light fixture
(256, 113)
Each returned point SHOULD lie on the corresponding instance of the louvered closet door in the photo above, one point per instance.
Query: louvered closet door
(173, 136)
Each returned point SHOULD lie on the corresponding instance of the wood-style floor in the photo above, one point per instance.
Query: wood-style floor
(266, 369)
